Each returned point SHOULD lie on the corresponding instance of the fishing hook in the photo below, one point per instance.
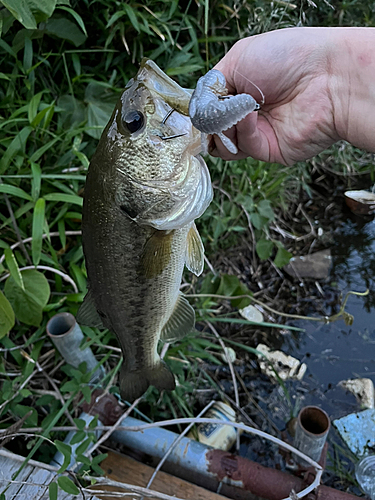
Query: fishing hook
(167, 116)
(165, 138)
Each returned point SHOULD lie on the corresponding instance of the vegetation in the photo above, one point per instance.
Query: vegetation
(63, 65)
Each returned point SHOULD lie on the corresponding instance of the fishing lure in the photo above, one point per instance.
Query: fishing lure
(212, 110)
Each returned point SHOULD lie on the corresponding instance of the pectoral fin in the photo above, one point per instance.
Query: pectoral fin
(156, 254)
(88, 314)
(181, 322)
(194, 257)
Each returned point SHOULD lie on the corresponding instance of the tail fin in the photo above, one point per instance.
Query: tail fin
(134, 384)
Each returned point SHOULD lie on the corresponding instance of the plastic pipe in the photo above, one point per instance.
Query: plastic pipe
(208, 467)
(67, 337)
(58, 459)
(312, 429)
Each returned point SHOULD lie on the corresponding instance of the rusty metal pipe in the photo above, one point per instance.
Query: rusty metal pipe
(312, 429)
(267, 483)
(239, 477)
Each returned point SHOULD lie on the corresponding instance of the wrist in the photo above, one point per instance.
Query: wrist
(352, 84)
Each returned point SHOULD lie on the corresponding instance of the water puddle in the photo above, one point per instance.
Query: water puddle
(335, 352)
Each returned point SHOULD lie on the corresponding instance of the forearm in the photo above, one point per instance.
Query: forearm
(352, 85)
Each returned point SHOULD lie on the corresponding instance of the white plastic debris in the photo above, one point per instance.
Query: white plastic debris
(363, 390)
(228, 354)
(357, 430)
(284, 365)
(251, 313)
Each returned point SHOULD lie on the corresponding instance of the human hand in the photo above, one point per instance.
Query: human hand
(308, 101)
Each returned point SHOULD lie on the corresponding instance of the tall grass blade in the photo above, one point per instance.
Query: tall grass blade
(37, 233)
(13, 267)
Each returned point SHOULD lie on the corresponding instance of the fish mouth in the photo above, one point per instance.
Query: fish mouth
(170, 91)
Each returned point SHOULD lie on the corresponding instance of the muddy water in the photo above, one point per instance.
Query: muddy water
(335, 351)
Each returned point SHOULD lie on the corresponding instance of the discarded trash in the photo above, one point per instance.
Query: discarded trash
(357, 430)
(219, 436)
(311, 433)
(365, 475)
(284, 365)
(360, 202)
(315, 265)
(251, 313)
(363, 390)
(67, 336)
(228, 354)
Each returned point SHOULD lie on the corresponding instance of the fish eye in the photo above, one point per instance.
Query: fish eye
(134, 121)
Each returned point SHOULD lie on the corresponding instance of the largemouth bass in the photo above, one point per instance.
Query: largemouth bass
(145, 186)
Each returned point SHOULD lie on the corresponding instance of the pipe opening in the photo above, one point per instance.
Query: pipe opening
(60, 324)
(314, 420)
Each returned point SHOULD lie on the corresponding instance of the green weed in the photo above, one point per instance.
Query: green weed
(62, 68)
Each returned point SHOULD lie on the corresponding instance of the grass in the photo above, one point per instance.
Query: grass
(61, 72)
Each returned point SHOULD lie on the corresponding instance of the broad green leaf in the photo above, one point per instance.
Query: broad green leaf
(76, 16)
(7, 318)
(83, 446)
(67, 485)
(37, 232)
(15, 191)
(78, 437)
(265, 209)
(132, 16)
(228, 285)
(21, 410)
(63, 28)
(257, 220)
(52, 491)
(30, 12)
(282, 257)
(13, 267)
(28, 304)
(80, 423)
(100, 103)
(86, 391)
(73, 111)
(67, 198)
(264, 248)
(66, 450)
(243, 302)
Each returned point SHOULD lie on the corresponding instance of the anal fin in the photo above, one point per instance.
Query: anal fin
(194, 257)
(181, 321)
(88, 314)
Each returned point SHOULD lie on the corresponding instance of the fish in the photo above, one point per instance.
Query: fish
(146, 185)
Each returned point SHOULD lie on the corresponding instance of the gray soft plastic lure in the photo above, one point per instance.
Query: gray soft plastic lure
(212, 111)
